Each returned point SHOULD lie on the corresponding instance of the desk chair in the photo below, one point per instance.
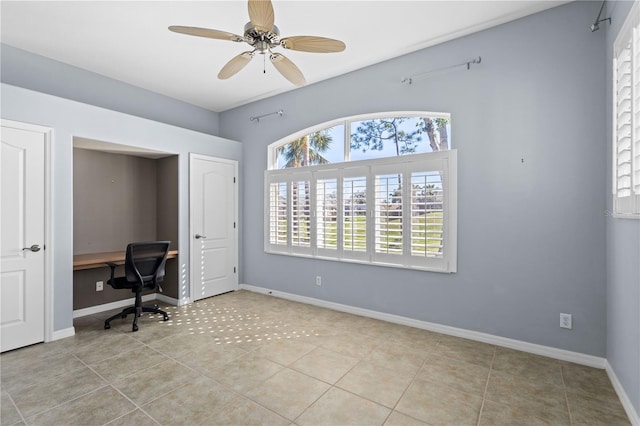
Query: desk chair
(144, 269)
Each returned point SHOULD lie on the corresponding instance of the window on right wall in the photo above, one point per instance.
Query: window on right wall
(626, 118)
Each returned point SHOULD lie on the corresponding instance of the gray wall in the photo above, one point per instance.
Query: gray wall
(531, 236)
(114, 200)
(69, 118)
(25, 69)
(167, 200)
(623, 255)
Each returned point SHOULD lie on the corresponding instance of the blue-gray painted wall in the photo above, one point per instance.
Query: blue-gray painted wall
(24, 69)
(531, 235)
(623, 254)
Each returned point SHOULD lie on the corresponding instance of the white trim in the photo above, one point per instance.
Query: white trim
(166, 299)
(47, 132)
(622, 395)
(110, 306)
(62, 334)
(561, 354)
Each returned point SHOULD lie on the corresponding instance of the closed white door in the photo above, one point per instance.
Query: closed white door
(213, 211)
(22, 287)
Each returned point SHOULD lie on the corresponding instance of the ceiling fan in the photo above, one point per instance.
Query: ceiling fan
(261, 34)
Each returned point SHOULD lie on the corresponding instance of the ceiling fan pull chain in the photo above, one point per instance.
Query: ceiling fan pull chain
(264, 64)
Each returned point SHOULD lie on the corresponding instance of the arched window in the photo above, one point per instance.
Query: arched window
(362, 138)
(377, 189)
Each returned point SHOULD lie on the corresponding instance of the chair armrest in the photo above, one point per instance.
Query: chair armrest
(113, 270)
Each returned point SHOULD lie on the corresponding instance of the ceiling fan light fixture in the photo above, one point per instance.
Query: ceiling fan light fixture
(261, 34)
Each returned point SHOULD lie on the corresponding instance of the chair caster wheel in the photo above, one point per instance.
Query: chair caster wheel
(135, 328)
(107, 326)
(166, 318)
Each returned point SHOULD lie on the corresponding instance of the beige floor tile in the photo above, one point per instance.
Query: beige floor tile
(126, 363)
(41, 370)
(211, 357)
(465, 350)
(437, 404)
(338, 407)
(460, 375)
(592, 381)
(351, 344)
(528, 365)
(535, 398)
(399, 419)
(137, 418)
(242, 411)
(500, 414)
(8, 413)
(284, 352)
(376, 383)
(146, 385)
(288, 393)
(245, 372)
(397, 357)
(35, 399)
(191, 404)
(325, 365)
(95, 408)
(586, 410)
(108, 345)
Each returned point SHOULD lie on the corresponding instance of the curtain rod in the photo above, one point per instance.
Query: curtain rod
(418, 77)
(257, 119)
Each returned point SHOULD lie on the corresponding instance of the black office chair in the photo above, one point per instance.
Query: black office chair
(144, 269)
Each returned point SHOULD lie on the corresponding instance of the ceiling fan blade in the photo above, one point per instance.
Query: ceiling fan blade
(288, 69)
(261, 14)
(235, 65)
(312, 44)
(206, 32)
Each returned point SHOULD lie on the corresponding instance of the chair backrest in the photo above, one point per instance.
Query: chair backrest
(144, 262)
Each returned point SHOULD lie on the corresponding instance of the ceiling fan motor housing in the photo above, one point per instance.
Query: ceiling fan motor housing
(260, 40)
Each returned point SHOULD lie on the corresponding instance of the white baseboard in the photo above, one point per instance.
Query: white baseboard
(561, 354)
(62, 334)
(166, 299)
(624, 398)
(110, 306)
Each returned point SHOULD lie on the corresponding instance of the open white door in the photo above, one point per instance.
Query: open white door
(213, 225)
(22, 264)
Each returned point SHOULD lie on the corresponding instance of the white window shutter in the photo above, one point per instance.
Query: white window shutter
(626, 117)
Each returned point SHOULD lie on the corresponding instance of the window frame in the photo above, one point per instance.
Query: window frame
(627, 207)
(442, 161)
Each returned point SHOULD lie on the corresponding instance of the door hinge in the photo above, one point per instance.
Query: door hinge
(234, 179)
(234, 225)
(234, 269)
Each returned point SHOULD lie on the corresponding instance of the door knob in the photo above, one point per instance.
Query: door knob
(34, 248)
(198, 236)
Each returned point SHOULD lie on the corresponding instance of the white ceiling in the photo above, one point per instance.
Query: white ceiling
(129, 40)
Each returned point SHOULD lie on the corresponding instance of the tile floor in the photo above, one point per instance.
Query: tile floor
(246, 358)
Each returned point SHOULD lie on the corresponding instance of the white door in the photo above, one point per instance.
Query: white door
(22, 286)
(213, 211)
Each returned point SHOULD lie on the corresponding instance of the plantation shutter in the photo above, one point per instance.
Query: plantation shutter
(626, 138)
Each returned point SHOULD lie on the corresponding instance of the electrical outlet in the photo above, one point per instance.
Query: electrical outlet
(318, 280)
(99, 285)
(565, 321)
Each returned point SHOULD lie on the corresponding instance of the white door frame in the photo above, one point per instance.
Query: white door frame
(48, 228)
(192, 157)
